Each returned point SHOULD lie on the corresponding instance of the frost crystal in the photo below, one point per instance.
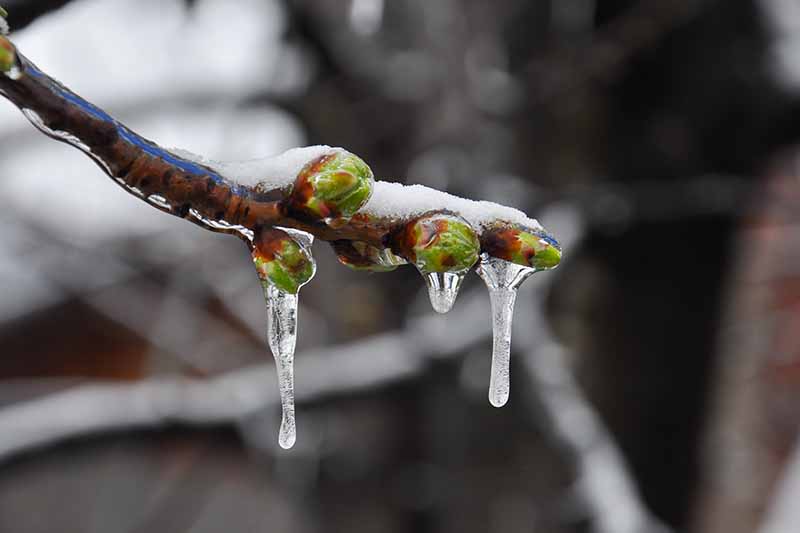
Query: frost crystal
(502, 278)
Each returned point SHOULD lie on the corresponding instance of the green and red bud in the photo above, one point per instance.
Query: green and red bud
(439, 242)
(362, 256)
(333, 186)
(8, 55)
(282, 261)
(522, 246)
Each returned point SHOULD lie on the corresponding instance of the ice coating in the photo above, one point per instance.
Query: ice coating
(282, 338)
(502, 278)
(443, 289)
(273, 172)
(402, 202)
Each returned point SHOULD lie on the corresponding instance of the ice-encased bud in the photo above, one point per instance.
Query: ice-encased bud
(532, 248)
(282, 261)
(333, 186)
(443, 247)
(441, 243)
(8, 55)
(362, 256)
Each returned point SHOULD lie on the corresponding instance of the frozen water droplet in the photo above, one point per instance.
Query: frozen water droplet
(502, 278)
(443, 289)
(336, 223)
(282, 338)
(14, 73)
(304, 238)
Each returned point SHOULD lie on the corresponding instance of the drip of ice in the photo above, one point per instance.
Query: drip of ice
(443, 289)
(502, 278)
(282, 337)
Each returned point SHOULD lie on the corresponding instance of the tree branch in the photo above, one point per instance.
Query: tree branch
(218, 197)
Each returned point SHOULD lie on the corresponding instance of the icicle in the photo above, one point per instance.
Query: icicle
(282, 338)
(282, 316)
(502, 278)
(443, 289)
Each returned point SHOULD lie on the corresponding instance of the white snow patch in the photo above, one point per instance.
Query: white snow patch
(396, 201)
(393, 201)
(274, 172)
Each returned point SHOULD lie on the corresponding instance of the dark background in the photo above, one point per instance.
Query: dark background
(654, 138)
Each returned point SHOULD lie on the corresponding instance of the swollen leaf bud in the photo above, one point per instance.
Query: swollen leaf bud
(440, 242)
(8, 55)
(333, 186)
(523, 246)
(282, 261)
(359, 255)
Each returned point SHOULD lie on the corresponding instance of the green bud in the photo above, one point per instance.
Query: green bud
(361, 256)
(333, 186)
(8, 55)
(523, 246)
(281, 261)
(3, 13)
(440, 243)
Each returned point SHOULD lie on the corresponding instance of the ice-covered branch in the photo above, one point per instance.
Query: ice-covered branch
(320, 190)
(278, 205)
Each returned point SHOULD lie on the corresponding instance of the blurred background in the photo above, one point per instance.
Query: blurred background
(655, 374)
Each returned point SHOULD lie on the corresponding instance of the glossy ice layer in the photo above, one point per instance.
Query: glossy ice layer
(502, 278)
(282, 339)
(443, 289)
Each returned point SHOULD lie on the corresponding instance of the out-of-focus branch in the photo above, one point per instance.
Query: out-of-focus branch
(604, 484)
(106, 407)
(783, 514)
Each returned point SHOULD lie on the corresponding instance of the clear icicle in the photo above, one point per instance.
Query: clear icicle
(502, 278)
(443, 289)
(282, 338)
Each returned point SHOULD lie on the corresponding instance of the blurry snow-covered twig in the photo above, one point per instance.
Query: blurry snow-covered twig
(232, 396)
(783, 514)
(604, 482)
(105, 407)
